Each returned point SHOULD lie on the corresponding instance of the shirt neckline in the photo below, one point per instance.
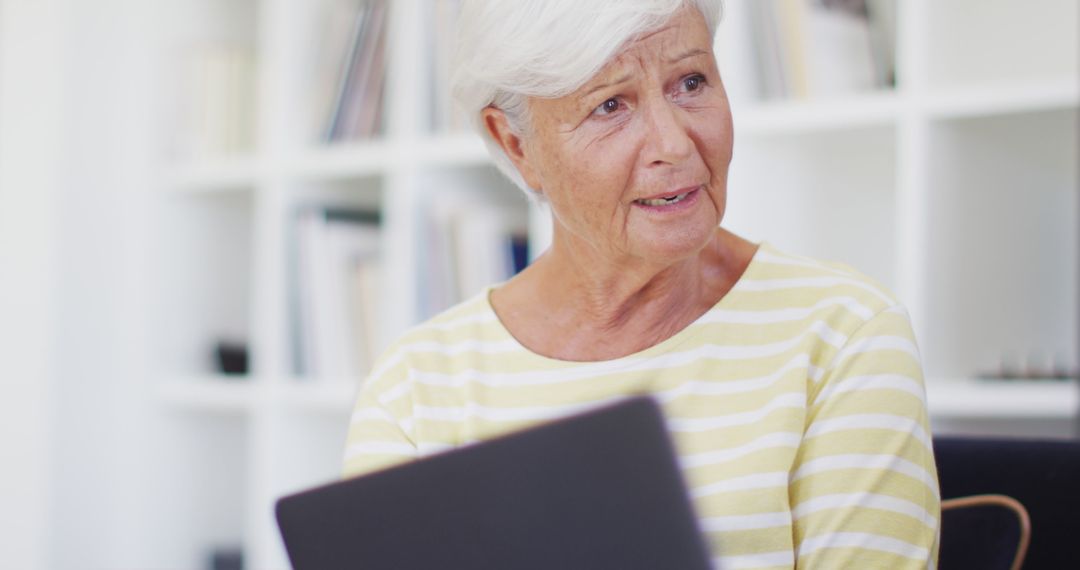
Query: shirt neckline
(685, 334)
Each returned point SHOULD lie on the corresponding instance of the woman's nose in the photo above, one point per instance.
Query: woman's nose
(667, 136)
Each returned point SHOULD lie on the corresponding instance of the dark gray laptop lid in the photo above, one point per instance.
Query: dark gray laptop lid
(595, 491)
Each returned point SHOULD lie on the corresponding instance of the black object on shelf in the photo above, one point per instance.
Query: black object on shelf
(232, 358)
(227, 559)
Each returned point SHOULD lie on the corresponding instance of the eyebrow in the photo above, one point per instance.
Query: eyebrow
(621, 79)
(689, 53)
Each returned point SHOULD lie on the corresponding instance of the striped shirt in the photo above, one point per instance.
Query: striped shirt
(796, 405)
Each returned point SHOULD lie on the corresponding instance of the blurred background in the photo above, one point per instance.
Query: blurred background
(215, 213)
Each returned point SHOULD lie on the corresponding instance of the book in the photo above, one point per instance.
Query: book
(357, 101)
(219, 108)
(882, 17)
(470, 243)
(793, 46)
(807, 49)
(340, 29)
(837, 50)
(371, 86)
(336, 271)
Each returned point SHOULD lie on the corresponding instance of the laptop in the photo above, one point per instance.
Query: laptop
(595, 491)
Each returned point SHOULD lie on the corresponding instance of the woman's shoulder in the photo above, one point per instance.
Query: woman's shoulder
(793, 280)
(465, 323)
(456, 319)
(455, 324)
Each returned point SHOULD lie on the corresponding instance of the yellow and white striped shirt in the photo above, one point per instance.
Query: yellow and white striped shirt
(796, 404)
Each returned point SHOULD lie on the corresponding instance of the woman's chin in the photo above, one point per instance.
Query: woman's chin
(666, 245)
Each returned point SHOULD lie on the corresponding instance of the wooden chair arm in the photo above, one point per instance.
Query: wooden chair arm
(999, 501)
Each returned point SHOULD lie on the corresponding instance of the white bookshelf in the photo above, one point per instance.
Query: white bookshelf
(1029, 96)
(998, 399)
(972, 155)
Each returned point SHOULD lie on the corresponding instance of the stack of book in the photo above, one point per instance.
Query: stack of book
(219, 117)
(352, 70)
(334, 296)
(469, 244)
(822, 48)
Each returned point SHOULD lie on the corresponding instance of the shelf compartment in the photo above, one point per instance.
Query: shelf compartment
(209, 107)
(337, 51)
(806, 195)
(198, 478)
(1001, 275)
(473, 227)
(805, 50)
(201, 269)
(334, 259)
(1001, 40)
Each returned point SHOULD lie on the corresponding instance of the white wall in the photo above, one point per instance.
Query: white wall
(76, 433)
(30, 139)
(105, 429)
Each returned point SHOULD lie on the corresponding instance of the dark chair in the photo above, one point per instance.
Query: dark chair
(1043, 475)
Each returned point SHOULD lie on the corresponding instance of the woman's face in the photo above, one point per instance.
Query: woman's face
(635, 162)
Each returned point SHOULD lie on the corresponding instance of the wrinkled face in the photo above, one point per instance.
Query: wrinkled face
(635, 162)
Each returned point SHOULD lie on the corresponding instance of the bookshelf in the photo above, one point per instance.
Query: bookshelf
(972, 156)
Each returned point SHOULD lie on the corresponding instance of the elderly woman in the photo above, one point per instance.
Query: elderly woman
(793, 388)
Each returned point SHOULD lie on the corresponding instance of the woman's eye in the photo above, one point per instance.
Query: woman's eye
(608, 107)
(693, 82)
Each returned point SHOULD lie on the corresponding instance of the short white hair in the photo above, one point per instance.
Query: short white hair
(511, 50)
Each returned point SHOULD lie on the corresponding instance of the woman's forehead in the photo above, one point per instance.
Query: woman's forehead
(683, 37)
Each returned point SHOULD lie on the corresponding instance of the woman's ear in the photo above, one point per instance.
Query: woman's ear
(498, 126)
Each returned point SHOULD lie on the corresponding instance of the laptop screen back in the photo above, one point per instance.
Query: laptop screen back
(599, 490)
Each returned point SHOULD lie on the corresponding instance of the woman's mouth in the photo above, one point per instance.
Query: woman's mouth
(665, 201)
(670, 200)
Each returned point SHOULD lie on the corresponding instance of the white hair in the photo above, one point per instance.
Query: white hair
(511, 50)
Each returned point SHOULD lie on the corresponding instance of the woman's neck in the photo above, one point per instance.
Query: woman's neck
(610, 296)
(602, 310)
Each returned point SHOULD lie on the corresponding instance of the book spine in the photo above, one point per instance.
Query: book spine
(345, 77)
(337, 271)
